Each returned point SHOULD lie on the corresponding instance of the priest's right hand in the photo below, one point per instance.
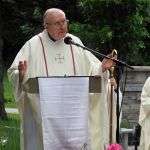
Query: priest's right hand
(22, 67)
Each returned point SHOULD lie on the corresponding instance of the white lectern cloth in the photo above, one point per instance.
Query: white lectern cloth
(64, 111)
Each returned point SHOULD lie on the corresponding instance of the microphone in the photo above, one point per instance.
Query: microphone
(68, 40)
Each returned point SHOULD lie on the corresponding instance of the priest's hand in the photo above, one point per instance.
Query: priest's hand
(22, 67)
(108, 63)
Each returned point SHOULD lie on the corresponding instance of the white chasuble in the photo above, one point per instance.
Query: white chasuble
(60, 60)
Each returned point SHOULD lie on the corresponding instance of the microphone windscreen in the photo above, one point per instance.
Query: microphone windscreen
(67, 40)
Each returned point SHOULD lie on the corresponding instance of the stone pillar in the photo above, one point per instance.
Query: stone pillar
(134, 83)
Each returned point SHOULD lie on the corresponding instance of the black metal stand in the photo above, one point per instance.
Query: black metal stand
(137, 134)
(117, 107)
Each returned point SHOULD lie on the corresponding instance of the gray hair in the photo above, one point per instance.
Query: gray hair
(52, 11)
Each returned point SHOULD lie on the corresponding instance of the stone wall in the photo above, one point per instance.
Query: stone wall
(131, 101)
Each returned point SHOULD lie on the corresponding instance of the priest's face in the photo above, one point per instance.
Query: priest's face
(56, 25)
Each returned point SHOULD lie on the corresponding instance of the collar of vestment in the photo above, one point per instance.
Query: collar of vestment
(51, 37)
(59, 58)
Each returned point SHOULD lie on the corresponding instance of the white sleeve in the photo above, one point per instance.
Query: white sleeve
(13, 72)
(145, 96)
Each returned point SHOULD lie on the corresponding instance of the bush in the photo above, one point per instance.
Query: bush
(119, 24)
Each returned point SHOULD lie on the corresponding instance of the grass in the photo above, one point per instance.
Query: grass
(10, 105)
(10, 128)
(8, 93)
(125, 124)
(10, 133)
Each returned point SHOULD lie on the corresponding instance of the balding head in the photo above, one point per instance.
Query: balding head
(52, 12)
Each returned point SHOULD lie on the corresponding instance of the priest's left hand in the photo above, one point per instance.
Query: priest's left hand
(107, 63)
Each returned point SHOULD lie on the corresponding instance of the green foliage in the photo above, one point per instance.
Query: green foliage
(92, 36)
(101, 24)
(128, 22)
(10, 133)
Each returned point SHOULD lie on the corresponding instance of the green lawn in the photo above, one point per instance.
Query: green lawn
(10, 128)
(8, 94)
(10, 105)
(10, 133)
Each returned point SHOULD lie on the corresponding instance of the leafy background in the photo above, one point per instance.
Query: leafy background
(101, 24)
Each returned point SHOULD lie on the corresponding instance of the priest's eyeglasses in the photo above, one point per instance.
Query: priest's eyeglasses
(59, 23)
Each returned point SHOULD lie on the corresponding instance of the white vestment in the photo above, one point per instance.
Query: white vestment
(60, 61)
(144, 118)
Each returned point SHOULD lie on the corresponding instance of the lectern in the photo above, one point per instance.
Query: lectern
(64, 105)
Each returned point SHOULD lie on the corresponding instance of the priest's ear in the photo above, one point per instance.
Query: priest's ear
(45, 25)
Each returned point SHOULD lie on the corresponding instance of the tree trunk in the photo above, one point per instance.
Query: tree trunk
(3, 114)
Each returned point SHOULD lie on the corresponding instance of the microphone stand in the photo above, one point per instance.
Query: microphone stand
(117, 107)
(102, 55)
(118, 62)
